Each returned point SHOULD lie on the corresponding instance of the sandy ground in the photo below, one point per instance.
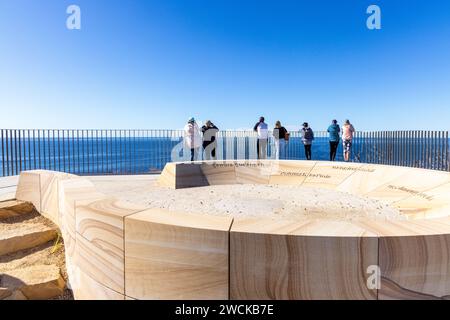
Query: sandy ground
(251, 200)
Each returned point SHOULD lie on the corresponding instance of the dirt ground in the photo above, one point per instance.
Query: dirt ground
(49, 253)
(23, 221)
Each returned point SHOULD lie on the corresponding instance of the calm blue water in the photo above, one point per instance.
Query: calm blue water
(146, 155)
(88, 155)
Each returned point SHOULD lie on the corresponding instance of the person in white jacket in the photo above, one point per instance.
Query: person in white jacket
(192, 138)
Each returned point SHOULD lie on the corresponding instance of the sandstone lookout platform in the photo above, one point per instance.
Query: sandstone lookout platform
(249, 230)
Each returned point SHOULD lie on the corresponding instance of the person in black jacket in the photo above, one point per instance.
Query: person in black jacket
(280, 135)
(209, 131)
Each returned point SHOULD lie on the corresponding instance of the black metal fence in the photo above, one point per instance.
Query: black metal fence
(419, 149)
(91, 152)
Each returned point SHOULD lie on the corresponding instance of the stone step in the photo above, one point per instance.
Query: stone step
(13, 208)
(38, 282)
(25, 237)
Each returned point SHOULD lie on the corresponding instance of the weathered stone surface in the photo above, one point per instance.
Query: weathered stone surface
(4, 293)
(36, 282)
(26, 237)
(16, 295)
(13, 208)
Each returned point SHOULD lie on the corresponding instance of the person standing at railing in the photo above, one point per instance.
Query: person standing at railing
(307, 135)
(263, 135)
(209, 131)
(347, 139)
(280, 135)
(192, 138)
(334, 130)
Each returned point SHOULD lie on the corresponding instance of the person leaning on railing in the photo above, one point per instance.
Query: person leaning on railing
(347, 139)
(334, 131)
(263, 135)
(192, 138)
(281, 136)
(209, 131)
(307, 138)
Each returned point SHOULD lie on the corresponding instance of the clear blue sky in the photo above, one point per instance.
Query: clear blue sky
(152, 64)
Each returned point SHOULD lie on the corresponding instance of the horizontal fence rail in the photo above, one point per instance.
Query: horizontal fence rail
(102, 152)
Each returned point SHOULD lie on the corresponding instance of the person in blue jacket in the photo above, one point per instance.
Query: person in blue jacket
(333, 131)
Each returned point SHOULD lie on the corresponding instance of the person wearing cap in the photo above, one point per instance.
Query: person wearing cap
(192, 138)
(347, 139)
(334, 138)
(262, 130)
(307, 135)
(209, 131)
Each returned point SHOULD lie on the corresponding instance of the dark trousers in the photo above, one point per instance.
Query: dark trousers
(333, 149)
(308, 151)
(257, 148)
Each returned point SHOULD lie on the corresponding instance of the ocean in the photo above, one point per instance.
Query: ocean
(141, 155)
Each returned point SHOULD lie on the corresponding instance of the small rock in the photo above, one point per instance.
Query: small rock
(35, 282)
(28, 236)
(13, 208)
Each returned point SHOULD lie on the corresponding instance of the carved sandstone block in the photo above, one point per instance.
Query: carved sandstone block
(370, 177)
(415, 182)
(71, 190)
(172, 255)
(253, 172)
(49, 184)
(330, 174)
(299, 261)
(87, 288)
(29, 188)
(100, 239)
(290, 172)
(415, 267)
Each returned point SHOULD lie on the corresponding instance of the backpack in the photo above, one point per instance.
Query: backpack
(308, 134)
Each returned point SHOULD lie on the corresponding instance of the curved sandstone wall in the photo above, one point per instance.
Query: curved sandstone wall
(116, 250)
